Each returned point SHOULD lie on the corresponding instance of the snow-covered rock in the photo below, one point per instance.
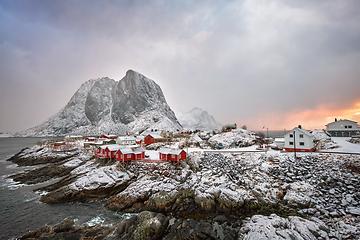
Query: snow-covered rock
(198, 119)
(104, 106)
(275, 227)
(234, 138)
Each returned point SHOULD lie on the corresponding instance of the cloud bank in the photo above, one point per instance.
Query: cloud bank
(259, 63)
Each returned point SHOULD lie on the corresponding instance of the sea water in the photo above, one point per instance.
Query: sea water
(20, 208)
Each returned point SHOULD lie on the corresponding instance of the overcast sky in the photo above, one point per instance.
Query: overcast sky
(260, 63)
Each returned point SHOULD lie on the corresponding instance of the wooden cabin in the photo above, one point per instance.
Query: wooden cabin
(172, 154)
(154, 138)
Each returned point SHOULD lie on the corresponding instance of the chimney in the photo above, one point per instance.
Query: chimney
(335, 119)
(299, 126)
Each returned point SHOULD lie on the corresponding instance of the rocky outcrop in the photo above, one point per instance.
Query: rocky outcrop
(67, 230)
(275, 227)
(42, 155)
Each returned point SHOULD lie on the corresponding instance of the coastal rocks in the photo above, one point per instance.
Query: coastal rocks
(299, 195)
(145, 226)
(67, 230)
(275, 227)
(49, 171)
(90, 183)
(42, 155)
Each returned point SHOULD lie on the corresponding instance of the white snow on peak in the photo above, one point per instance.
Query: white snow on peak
(198, 119)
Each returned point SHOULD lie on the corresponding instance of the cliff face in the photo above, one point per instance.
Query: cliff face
(135, 103)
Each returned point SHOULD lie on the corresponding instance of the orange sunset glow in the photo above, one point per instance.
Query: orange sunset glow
(308, 119)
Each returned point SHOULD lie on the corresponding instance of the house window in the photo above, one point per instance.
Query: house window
(301, 135)
(290, 135)
(120, 156)
(291, 143)
(350, 126)
(346, 126)
(302, 143)
(129, 156)
(173, 155)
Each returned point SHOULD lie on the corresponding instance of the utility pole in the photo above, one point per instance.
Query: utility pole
(294, 146)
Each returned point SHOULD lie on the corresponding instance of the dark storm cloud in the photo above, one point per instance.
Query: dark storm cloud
(236, 59)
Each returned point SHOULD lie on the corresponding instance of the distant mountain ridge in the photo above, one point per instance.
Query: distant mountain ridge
(198, 119)
(105, 106)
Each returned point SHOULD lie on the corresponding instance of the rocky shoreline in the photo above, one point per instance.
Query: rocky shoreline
(208, 196)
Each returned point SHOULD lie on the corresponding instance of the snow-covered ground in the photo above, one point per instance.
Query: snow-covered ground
(345, 146)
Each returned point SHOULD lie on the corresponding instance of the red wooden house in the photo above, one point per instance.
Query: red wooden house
(154, 138)
(107, 151)
(57, 144)
(128, 154)
(90, 139)
(109, 136)
(172, 154)
(100, 152)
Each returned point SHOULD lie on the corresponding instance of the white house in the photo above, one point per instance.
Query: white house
(342, 128)
(126, 140)
(299, 140)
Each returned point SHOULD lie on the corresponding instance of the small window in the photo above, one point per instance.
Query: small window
(291, 143)
(172, 155)
(290, 135)
(129, 155)
(350, 126)
(301, 135)
(346, 126)
(302, 143)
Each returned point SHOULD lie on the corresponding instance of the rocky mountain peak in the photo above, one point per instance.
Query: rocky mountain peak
(103, 105)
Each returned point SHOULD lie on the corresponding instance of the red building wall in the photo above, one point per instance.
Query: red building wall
(149, 139)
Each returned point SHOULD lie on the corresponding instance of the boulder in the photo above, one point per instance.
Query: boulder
(275, 227)
(145, 226)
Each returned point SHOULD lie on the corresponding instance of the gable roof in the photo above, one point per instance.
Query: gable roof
(341, 120)
(154, 135)
(126, 138)
(170, 151)
(300, 130)
(113, 147)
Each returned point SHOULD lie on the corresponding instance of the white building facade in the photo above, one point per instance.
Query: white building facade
(299, 140)
(343, 128)
(126, 140)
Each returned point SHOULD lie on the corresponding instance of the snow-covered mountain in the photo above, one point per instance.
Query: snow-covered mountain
(198, 119)
(105, 106)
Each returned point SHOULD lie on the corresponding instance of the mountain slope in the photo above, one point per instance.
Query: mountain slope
(105, 106)
(198, 119)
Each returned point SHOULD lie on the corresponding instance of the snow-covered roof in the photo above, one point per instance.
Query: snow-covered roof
(155, 135)
(126, 138)
(113, 147)
(341, 120)
(126, 150)
(170, 151)
(138, 150)
(300, 130)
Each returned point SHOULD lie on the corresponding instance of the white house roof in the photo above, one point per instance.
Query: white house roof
(342, 120)
(127, 138)
(154, 135)
(170, 151)
(126, 150)
(300, 130)
(138, 150)
(113, 147)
